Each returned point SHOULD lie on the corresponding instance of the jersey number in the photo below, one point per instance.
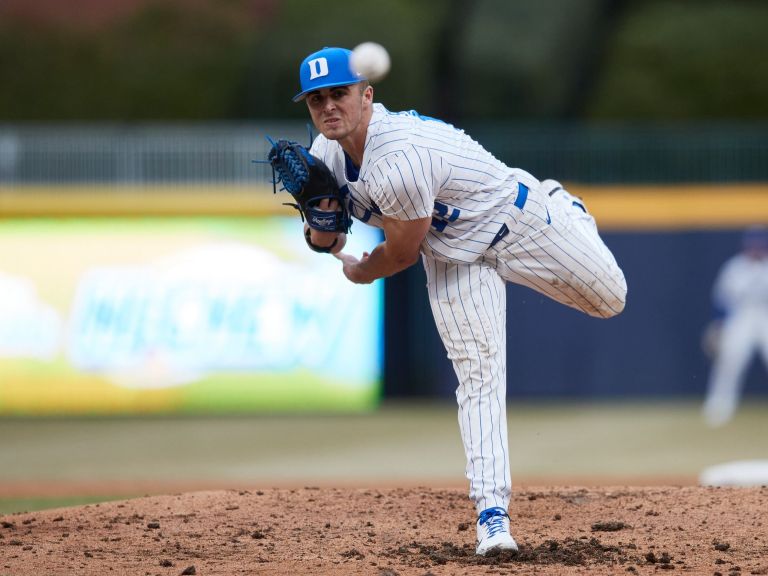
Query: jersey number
(440, 221)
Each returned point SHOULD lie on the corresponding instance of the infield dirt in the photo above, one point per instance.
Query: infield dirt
(395, 532)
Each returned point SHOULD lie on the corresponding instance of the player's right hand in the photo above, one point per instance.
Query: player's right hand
(350, 264)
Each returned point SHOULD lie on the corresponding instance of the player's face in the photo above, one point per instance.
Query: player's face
(339, 112)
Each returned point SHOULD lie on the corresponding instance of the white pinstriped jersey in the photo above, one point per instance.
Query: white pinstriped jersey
(742, 283)
(418, 167)
(490, 224)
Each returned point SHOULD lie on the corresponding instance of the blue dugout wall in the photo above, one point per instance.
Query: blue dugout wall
(679, 198)
(653, 349)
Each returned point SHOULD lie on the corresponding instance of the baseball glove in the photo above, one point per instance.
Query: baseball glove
(309, 181)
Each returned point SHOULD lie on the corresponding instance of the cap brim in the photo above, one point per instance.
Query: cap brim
(301, 95)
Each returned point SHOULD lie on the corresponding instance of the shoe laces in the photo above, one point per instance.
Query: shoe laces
(492, 519)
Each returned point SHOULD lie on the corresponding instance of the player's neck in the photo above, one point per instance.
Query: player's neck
(354, 149)
(354, 142)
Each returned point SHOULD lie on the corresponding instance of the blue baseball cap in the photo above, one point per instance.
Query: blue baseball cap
(324, 69)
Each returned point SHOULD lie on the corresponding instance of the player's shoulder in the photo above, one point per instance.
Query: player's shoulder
(739, 259)
(411, 121)
(325, 149)
(736, 265)
(319, 144)
(396, 133)
(387, 136)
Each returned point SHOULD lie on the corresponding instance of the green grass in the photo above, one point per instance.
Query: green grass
(399, 444)
(19, 505)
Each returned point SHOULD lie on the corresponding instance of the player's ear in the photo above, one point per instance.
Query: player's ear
(367, 93)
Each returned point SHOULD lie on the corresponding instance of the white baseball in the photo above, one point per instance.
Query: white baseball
(370, 60)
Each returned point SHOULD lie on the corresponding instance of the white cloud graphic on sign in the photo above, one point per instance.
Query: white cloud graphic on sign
(29, 328)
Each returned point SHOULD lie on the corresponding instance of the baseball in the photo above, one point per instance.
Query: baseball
(370, 60)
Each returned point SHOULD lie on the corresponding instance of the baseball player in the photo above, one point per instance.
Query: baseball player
(740, 297)
(476, 224)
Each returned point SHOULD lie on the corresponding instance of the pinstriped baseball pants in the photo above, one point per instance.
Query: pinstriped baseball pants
(555, 250)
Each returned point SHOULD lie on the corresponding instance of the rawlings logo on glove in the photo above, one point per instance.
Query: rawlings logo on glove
(309, 181)
(323, 223)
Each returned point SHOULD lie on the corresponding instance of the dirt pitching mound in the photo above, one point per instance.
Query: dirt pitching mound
(401, 532)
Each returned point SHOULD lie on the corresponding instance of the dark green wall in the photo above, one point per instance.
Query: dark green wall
(456, 59)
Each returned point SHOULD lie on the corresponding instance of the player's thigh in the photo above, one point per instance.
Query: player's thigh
(468, 303)
(737, 340)
(568, 263)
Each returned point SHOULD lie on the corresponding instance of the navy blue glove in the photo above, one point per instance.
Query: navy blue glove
(309, 181)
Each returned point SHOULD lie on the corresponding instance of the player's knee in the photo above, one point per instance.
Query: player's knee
(605, 309)
(615, 297)
(616, 308)
(607, 298)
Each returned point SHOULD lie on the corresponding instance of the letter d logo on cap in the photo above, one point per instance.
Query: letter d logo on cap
(325, 68)
(317, 68)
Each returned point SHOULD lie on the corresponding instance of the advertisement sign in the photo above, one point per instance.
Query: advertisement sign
(189, 314)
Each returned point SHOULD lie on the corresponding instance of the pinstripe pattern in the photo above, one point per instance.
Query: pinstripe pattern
(416, 168)
(469, 305)
(565, 260)
(410, 163)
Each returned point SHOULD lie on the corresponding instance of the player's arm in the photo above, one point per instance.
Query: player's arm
(399, 251)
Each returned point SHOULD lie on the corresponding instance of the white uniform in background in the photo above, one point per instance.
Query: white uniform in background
(490, 224)
(741, 292)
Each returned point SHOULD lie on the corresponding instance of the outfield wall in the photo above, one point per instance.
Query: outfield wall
(148, 312)
(670, 241)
